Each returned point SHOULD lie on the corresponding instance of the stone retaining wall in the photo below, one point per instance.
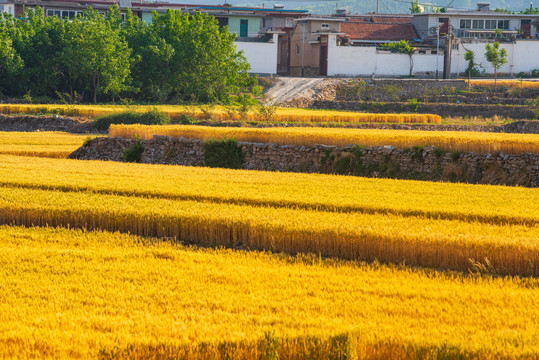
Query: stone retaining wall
(426, 163)
(35, 123)
(26, 123)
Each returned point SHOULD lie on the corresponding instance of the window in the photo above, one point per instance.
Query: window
(503, 24)
(491, 24)
(297, 49)
(465, 23)
(325, 26)
(478, 24)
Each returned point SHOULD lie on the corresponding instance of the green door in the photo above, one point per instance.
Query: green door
(243, 28)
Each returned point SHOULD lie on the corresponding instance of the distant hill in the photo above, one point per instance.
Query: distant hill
(365, 6)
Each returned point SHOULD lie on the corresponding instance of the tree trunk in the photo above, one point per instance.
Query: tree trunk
(469, 77)
(495, 78)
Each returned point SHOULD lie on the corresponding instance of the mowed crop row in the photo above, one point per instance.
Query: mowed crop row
(473, 203)
(40, 144)
(447, 140)
(72, 294)
(435, 243)
(228, 113)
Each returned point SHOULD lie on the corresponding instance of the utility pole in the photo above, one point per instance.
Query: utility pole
(377, 6)
(303, 48)
(448, 52)
(438, 51)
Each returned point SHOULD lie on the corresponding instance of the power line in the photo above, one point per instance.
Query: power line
(384, 3)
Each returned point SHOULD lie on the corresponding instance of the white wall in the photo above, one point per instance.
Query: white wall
(9, 8)
(365, 61)
(522, 55)
(262, 56)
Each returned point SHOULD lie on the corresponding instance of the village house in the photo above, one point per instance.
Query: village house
(276, 40)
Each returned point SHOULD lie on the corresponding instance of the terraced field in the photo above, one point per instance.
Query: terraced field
(439, 232)
(226, 113)
(40, 144)
(107, 272)
(72, 294)
(447, 140)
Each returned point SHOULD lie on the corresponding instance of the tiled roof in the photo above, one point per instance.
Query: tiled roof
(381, 19)
(381, 32)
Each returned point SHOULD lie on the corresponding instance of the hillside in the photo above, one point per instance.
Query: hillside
(364, 6)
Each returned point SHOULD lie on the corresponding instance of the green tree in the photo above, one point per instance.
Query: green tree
(203, 64)
(95, 57)
(402, 47)
(469, 56)
(497, 57)
(414, 7)
(10, 62)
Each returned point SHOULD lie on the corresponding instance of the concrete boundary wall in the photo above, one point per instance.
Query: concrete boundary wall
(366, 61)
(522, 56)
(383, 161)
(262, 56)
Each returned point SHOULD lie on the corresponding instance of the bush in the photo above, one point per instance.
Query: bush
(150, 117)
(224, 153)
(184, 119)
(134, 153)
(414, 105)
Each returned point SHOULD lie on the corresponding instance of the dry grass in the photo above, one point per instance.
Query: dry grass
(228, 113)
(72, 294)
(447, 140)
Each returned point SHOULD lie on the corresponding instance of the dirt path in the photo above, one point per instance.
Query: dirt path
(290, 91)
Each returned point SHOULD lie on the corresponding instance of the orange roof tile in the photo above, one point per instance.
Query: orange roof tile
(379, 32)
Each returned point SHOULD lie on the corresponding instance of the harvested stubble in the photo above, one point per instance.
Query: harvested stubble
(40, 144)
(73, 294)
(507, 83)
(475, 203)
(435, 243)
(447, 140)
(229, 113)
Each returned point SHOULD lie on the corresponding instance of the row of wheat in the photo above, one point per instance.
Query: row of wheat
(427, 242)
(507, 83)
(73, 294)
(41, 144)
(447, 140)
(476, 203)
(227, 113)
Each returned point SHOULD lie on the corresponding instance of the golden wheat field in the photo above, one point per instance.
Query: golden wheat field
(40, 144)
(103, 268)
(507, 83)
(227, 113)
(393, 233)
(447, 140)
(72, 294)
(333, 193)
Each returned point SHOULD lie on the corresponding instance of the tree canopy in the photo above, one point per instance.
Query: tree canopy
(497, 57)
(178, 57)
